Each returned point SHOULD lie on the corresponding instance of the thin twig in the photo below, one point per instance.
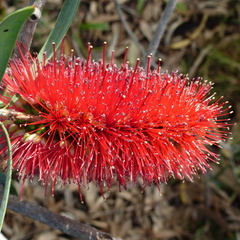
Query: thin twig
(64, 224)
(199, 60)
(162, 24)
(128, 29)
(26, 35)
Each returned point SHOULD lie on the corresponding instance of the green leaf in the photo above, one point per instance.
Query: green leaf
(181, 7)
(3, 178)
(8, 179)
(140, 6)
(222, 58)
(60, 29)
(94, 26)
(9, 30)
(13, 100)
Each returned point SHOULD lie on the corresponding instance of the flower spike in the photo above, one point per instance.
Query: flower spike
(92, 121)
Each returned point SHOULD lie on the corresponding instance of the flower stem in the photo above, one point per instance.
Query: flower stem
(12, 115)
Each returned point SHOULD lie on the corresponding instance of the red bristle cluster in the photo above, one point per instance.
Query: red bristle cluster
(104, 124)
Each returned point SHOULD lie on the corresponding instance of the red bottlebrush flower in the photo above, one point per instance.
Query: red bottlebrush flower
(93, 121)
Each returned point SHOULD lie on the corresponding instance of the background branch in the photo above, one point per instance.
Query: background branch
(128, 29)
(162, 24)
(26, 35)
(64, 224)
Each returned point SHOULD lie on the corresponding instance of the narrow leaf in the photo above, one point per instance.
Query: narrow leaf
(8, 179)
(9, 30)
(61, 27)
(3, 178)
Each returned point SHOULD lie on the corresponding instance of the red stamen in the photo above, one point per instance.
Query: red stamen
(125, 56)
